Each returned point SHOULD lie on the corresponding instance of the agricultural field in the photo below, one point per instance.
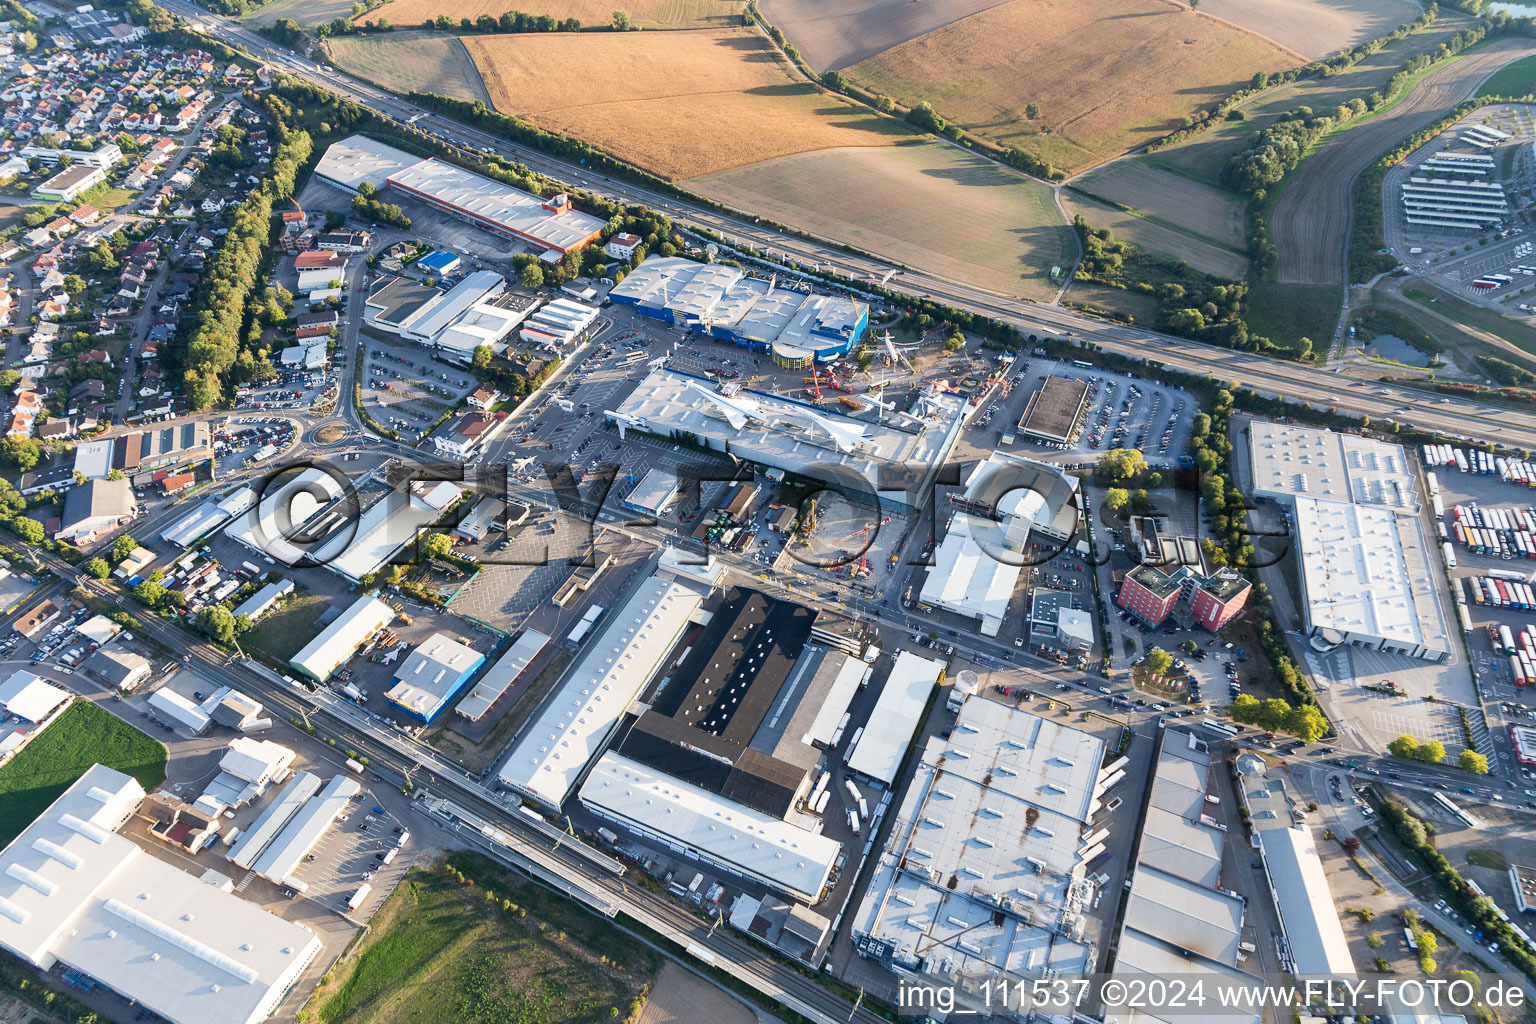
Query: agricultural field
(1204, 156)
(1315, 28)
(1165, 213)
(445, 951)
(307, 13)
(1150, 64)
(1155, 234)
(929, 205)
(82, 736)
(591, 13)
(403, 61)
(1517, 79)
(840, 33)
(686, 103)
(1311, 219)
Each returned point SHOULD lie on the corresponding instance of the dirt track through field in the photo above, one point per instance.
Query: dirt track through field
(1311, 220)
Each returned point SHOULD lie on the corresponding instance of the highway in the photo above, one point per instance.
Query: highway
(1294, 382)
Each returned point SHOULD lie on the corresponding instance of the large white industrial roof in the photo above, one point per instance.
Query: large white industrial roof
(1290, 460)
(255, 760)
(1176, 920)
(341, 639)
(988, 847)
(1365, 572)
(503, 205)
(388, 525)
(26, 696)
(791, 435)
(260, 833)
(1143, 953)
(615, 665)
(752, 843)
(284, 509)
(850, 673)
(357, 159)
(179, 709)
(1192, 916)
(897, 713)
(195, 525)
(653, 492)
(71, 888)
(970, 580)
(303, 831)
(436, 316)
(1307, 907)
(501, 675)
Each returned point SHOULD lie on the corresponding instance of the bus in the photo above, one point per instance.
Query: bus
(1225, 730)
(633, 357)
(1413, 944)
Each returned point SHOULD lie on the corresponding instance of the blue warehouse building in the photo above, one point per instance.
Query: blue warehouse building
(796, 329)
(432, 676)
(439, 262)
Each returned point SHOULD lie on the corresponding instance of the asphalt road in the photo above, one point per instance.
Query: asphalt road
(1295, 382)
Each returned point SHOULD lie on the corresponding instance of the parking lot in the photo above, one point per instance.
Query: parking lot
(405, 389)
(290, 389)
(354, 851)
(247, 440)
(1122, 412)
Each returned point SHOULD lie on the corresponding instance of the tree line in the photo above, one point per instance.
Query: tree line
(233, 274)
(1278, 149)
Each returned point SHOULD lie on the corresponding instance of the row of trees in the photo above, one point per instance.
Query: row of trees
(1303, 721)
(1228, 109)
(1409, 748)
(366, 206)
(514, 21)
(1279, 148)
(1480, 911)
(214, 353)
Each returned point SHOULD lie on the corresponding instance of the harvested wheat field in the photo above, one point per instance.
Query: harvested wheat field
(1158, 237)
(929, 205)
(840, 33)
(591, 13)
(679, 104)
(1109, 76)
(1191, 205)
(404, 61)
(305, 12)
(1315, 28)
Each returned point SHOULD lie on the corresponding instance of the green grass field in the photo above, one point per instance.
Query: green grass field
(1286, 313)
(283, 632)
(1517, 79)
(82, 736)
(1517, 334)
(445, 951)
